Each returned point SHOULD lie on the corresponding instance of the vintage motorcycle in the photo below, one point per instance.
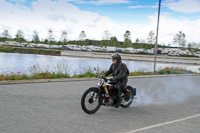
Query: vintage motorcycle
(104, 94)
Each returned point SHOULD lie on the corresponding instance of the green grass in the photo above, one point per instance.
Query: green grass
(89, 73)
(9, 49)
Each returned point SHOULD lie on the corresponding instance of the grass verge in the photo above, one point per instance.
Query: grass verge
(24, 50)
(88, 74)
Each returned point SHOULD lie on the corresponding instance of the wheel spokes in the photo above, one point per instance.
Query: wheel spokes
(91, 101)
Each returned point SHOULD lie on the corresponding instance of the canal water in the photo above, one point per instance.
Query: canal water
(24, 63)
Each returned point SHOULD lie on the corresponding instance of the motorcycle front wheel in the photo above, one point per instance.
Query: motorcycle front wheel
(91, 101)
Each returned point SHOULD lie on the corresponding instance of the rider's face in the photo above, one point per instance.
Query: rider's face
(115, 61)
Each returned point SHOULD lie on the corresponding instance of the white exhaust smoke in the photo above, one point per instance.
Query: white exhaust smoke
(168, 90)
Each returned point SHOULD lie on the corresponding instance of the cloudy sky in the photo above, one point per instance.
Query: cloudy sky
(96, 16)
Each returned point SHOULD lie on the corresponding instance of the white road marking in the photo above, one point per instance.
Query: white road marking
(163, 124)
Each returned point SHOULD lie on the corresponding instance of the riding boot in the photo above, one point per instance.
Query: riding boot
(118, 100)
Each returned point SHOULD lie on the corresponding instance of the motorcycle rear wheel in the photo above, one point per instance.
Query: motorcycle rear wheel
(126, 104)
(91, 101)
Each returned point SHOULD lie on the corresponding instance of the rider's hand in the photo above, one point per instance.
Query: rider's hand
(103, 75)
(113, 79)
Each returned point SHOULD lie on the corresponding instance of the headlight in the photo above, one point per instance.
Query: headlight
(98, 84)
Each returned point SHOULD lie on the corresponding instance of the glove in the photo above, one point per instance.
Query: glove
(113, 80)
(103, 75)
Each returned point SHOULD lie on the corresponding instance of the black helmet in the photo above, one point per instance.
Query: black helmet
(116, 56)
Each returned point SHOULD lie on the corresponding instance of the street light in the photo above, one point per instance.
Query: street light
(156, 45)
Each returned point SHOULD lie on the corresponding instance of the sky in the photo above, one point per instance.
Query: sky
(97, 16)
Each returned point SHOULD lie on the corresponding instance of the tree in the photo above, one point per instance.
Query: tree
(114, 41)
(193, 45)
(137, 40)
(127, 35)
(105, 43)
(5, 35)
(46, 41)
(50, 37)
(180, 39)
(19, 36)
(82, 36)
(127, 43)
(189, 46)
(127, 39)
(64, 38)
(107, 35)
(198, 46)
(151, 38)
(35, 37)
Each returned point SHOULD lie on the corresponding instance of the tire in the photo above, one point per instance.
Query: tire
(127, 104)
(83, 100)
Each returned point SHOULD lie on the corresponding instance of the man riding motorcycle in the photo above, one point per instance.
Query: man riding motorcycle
(120, 74)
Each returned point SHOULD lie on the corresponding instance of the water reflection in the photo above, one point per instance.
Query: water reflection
(13, 62)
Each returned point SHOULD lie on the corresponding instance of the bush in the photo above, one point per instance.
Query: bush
(173, 70)
(9, 49)
(88, 74)
(85, 75)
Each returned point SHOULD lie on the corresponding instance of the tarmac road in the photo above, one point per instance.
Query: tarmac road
(167, 104)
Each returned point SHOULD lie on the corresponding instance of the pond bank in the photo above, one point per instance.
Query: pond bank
(101, 55)
(133, 57)
(8, 49)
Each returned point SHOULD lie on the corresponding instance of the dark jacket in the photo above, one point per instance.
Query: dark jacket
(119, 71)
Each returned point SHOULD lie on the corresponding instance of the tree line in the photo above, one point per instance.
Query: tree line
(108, 39)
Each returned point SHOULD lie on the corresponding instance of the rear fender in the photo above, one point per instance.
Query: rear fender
(133, 90)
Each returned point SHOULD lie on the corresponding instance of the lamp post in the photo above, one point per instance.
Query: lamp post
(156, 45)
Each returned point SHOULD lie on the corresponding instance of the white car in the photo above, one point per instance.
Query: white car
(197, 54)
(54, 46)
(173, 53)
(2, 43)
(24, 44)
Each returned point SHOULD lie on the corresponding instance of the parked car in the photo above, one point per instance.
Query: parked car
(9, 42)
(31, 45)
(111, 49)
(24, 44)
(173, 53)
(72, 47)
(119, 50)
(1, 43)
(197, 53)
(54, 46)
(40, 45)
(65, 46)
(129, 50)
(46, 46)
(149, 51)
(17, 44)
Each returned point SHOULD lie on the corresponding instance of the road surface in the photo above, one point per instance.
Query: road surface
(168, 104)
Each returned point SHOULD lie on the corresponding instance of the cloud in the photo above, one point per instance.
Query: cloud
(105, 2)
(60, 15)
(139, 6)
(184, 6)
(18, 1)
(169, 27)
(56, 15)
